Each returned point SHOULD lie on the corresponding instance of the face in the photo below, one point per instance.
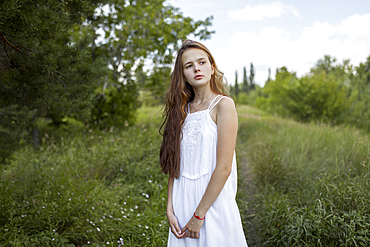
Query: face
(197, 67)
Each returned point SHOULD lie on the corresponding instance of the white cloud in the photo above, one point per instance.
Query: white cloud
(272, 47)
(261, 11)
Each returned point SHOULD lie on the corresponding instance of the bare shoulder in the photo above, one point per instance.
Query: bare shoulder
(226, 105)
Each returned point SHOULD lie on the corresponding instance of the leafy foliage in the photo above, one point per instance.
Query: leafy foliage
(79, 59)
(358, 112)
(135, 32)
(318, 97)
(44, 72)
(332, 92)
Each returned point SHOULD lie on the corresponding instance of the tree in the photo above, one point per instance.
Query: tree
(315, 97)
(236, 87)
(358, 113)
(54, 58)
(245, 81)
(269, 76)
(44, 71)
(135, 31)
(251, 78)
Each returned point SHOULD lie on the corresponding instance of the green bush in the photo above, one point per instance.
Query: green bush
(311, 98)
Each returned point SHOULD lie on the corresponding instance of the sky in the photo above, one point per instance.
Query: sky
(273, 34)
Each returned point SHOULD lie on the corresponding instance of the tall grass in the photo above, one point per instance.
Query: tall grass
(299, 185)
(93, 188)
(311, 183)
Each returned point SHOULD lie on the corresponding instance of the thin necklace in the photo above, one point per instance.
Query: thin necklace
(202, 104)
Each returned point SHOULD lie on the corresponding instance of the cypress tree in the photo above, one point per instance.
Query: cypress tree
(236, 87)
(251, 78)
(245, 80)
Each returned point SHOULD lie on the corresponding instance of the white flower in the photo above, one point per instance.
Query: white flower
(98, 229)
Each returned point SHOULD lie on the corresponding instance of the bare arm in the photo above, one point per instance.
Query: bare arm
(227, 127)
(172, 220)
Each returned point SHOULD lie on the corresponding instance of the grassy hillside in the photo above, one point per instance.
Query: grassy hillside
(307, 185)
(299, 185)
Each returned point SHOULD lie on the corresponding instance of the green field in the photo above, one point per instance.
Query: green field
(299, 185)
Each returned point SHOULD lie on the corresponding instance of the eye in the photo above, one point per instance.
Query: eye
(202, 62)
(188, 66)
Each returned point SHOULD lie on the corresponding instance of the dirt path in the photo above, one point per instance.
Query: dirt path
(248, 188)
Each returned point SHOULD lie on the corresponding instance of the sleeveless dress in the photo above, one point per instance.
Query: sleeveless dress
(222, 225)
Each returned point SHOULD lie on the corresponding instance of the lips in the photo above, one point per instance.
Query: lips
(198, 77)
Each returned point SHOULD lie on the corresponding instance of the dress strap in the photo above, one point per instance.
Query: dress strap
(211, 106)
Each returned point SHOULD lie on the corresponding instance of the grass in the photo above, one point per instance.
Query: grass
(299, 185)
(310, 182)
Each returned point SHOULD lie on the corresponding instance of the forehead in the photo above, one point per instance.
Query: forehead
(192, 55)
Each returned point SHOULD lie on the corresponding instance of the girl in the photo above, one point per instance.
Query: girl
(197, 151)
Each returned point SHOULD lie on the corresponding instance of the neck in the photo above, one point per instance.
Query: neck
(201, 95)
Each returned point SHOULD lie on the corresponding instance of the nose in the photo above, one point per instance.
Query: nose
(196, 69)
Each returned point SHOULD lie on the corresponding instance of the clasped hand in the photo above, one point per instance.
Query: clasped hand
(191, 229)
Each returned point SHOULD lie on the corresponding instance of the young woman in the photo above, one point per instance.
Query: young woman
(197, 152)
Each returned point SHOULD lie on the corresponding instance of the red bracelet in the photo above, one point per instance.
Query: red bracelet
(197, 217)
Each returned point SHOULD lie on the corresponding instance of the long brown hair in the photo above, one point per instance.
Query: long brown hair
(179, 94)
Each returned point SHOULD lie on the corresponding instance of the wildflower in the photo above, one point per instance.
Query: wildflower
(121, 242)
(98, 229)
(146, 227)
(92, 208)
(136, 206)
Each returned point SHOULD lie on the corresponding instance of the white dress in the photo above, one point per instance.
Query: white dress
(222, 225)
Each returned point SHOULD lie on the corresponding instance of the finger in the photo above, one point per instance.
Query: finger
(178, 229)
(184, 229)
(177, 232)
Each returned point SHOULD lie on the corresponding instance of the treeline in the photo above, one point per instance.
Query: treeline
(84, 60)
(332, 92)
(246, 91)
